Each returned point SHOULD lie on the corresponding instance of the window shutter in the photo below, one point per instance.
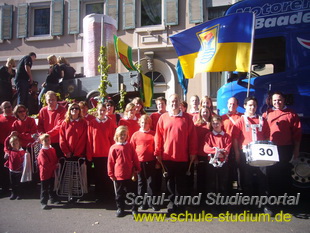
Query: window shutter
(22, 20)
(195, 11)
(57, 17)
(171, 9)
(6, 22)
(129, 8)
(74, 17)
(112, 10)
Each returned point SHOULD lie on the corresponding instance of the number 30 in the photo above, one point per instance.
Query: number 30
(269, 152)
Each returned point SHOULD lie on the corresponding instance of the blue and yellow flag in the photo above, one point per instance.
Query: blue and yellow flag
(124, 53)
(222, 44)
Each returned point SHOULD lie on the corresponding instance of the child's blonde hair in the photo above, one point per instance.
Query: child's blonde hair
(43, 136)
(119, 130)
(13, 139)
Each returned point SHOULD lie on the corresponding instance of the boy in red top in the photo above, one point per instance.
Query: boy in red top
(217, 145)
(50, 119)
(143, 143)
(15, 156)
(122, 164)
(130, 119)
(250, 128)
(47, 162)
(176, 145)
(6, 122)
(161, 103)
(100, 135)
(285, 132)
(194, 105)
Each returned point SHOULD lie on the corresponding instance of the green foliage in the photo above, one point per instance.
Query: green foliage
(121, 102)
(103, 69)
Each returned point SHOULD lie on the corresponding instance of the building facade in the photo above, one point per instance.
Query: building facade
(56, 27)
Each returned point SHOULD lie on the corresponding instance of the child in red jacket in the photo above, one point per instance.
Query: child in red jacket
(143, 142)
(15, 156)
(122, 164)
(47, 162)
(217, 146)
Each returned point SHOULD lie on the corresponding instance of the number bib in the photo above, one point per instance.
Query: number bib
(261, 154)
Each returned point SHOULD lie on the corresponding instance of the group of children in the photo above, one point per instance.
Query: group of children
(122, 149)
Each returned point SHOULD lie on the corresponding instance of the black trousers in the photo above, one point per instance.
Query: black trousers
(146, 181)
(253, 179)
(176, 180)
(4, 172)
(47, 190)
(217, 179)
(15, 183)
(122, 187)
(279, 175)
(102, 181)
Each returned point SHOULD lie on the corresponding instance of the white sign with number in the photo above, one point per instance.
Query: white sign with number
(261, 155)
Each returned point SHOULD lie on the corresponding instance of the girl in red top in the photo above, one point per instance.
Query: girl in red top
(15, 156)
(111, 112)
(122, 164)
(143, 142)
(100, 135)
(202, 125)
(25, 126)
(130, 120)
(137, 101)
(47, 162)
(217, 146)
(73, 133)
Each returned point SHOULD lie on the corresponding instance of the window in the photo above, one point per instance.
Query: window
(157, 77)
(40, 20)
(216, 12)
(96, 8)
(151, 12)
(41, 23)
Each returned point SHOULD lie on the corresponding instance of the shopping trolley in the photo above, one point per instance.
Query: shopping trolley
(71, 178)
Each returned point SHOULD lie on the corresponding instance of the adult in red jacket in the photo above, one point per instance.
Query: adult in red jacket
(25, 127)
(285, 132)
(176, 145)
(73, 133)
(50, 120)
(100, 135)
(6, 122)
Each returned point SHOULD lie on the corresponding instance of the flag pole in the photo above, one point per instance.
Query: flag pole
(251, 55)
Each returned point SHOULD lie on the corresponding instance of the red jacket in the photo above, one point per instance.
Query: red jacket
(175, 137)
(25, 128)
(229, 121)
(73, 137)
(221, 141)
(202, 130)
(50, 121)
(47, 161)
(155, 117)
(132, 125)
(143, 143)
(6, 123)
(121, 161)
(89, 118)
(244, 135)
(99, 138)
(16, 158)
(285, 127)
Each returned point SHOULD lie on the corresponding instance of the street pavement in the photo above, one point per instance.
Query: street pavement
(87, 215)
